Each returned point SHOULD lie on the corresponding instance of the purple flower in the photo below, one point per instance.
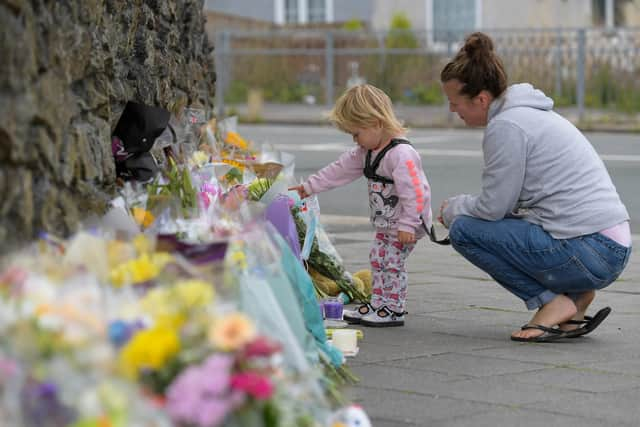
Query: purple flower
(41, 407)
(202, 394)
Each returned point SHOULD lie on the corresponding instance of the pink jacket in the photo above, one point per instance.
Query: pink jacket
(401, 206)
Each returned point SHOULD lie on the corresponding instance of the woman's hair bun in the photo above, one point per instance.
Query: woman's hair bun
(477, 45)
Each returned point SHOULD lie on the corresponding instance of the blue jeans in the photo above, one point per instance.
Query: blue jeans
(534, 266)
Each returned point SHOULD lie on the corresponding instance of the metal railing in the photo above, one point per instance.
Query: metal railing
(593, 68)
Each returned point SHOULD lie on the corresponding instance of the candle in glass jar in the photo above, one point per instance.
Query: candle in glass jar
(333, 308)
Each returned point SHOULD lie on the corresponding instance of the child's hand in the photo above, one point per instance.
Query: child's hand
(442, 208)
(405, 237)
(301, 191)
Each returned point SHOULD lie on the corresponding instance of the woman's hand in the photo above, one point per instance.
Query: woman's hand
(443, 206)
(405, 237)
(300, 190)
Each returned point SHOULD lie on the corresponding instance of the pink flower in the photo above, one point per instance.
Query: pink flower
(255, 385)
(201, 395)
(261, 347)
(204, 199)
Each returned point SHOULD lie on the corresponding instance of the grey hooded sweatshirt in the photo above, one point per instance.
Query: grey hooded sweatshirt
(539, 167)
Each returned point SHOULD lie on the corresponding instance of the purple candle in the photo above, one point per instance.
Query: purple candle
(333, 308)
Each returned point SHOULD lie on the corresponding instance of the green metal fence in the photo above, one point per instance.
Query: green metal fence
(584, 68)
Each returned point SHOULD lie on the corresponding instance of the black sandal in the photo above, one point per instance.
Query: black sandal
(549, 335)
(589, 323)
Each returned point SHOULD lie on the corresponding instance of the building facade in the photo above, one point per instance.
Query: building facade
(439, 15)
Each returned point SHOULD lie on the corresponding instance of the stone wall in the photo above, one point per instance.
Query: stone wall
(67, 68)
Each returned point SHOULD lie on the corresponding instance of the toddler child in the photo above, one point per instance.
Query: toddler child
(399, 196)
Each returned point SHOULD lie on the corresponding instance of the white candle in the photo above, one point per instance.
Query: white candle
(345, 340)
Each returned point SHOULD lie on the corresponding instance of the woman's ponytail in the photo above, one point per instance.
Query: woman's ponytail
(477, 66)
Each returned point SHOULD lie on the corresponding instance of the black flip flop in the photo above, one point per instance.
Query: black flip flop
(588, 324)
(549, 335)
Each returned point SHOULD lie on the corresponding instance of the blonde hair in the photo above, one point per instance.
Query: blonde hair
(365, 106)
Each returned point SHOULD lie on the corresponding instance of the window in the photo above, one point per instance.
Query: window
(317, 10)
(291, 11)
(600, 12)
(453, 18)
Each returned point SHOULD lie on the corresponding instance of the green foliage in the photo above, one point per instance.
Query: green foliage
(325, 264)
(397, 72)
(284, 93)
(234, 176)
(159, 380)
(236, 93)
(352, 25)
(277, 76)
(178, 186)
(259, 188)
(607, 89)
(271, 414)
(400, 35)
(430, 94)
(399, 21)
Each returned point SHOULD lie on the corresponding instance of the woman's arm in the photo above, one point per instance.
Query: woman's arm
(505, 160)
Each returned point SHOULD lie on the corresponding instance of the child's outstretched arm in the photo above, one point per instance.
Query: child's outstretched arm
(346, 169)
(301, 191)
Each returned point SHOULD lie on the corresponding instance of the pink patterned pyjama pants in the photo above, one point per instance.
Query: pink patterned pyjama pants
(387, 258)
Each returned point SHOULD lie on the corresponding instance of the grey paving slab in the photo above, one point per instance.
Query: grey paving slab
(517, 417)
(626, 366)
(399, 377)
(617, 408)
(416, 409)
(465, 364)
(411, 343)
(591, 349)
(500, 390)
(452, 364)
(577, 379)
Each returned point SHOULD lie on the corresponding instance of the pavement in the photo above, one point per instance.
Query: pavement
(426, 116)
(453, 364)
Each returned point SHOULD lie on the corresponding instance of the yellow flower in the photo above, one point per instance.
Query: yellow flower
(232, 332)
(160, 305)
(118, 252)
(238, 259)
(143, 244)
(233, 138)
(143, 217)
(194, 293)
(149, 349)
(199, 158)
(172, 305)
(139, 270)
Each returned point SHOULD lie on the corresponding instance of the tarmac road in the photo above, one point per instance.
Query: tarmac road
(452, 159)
